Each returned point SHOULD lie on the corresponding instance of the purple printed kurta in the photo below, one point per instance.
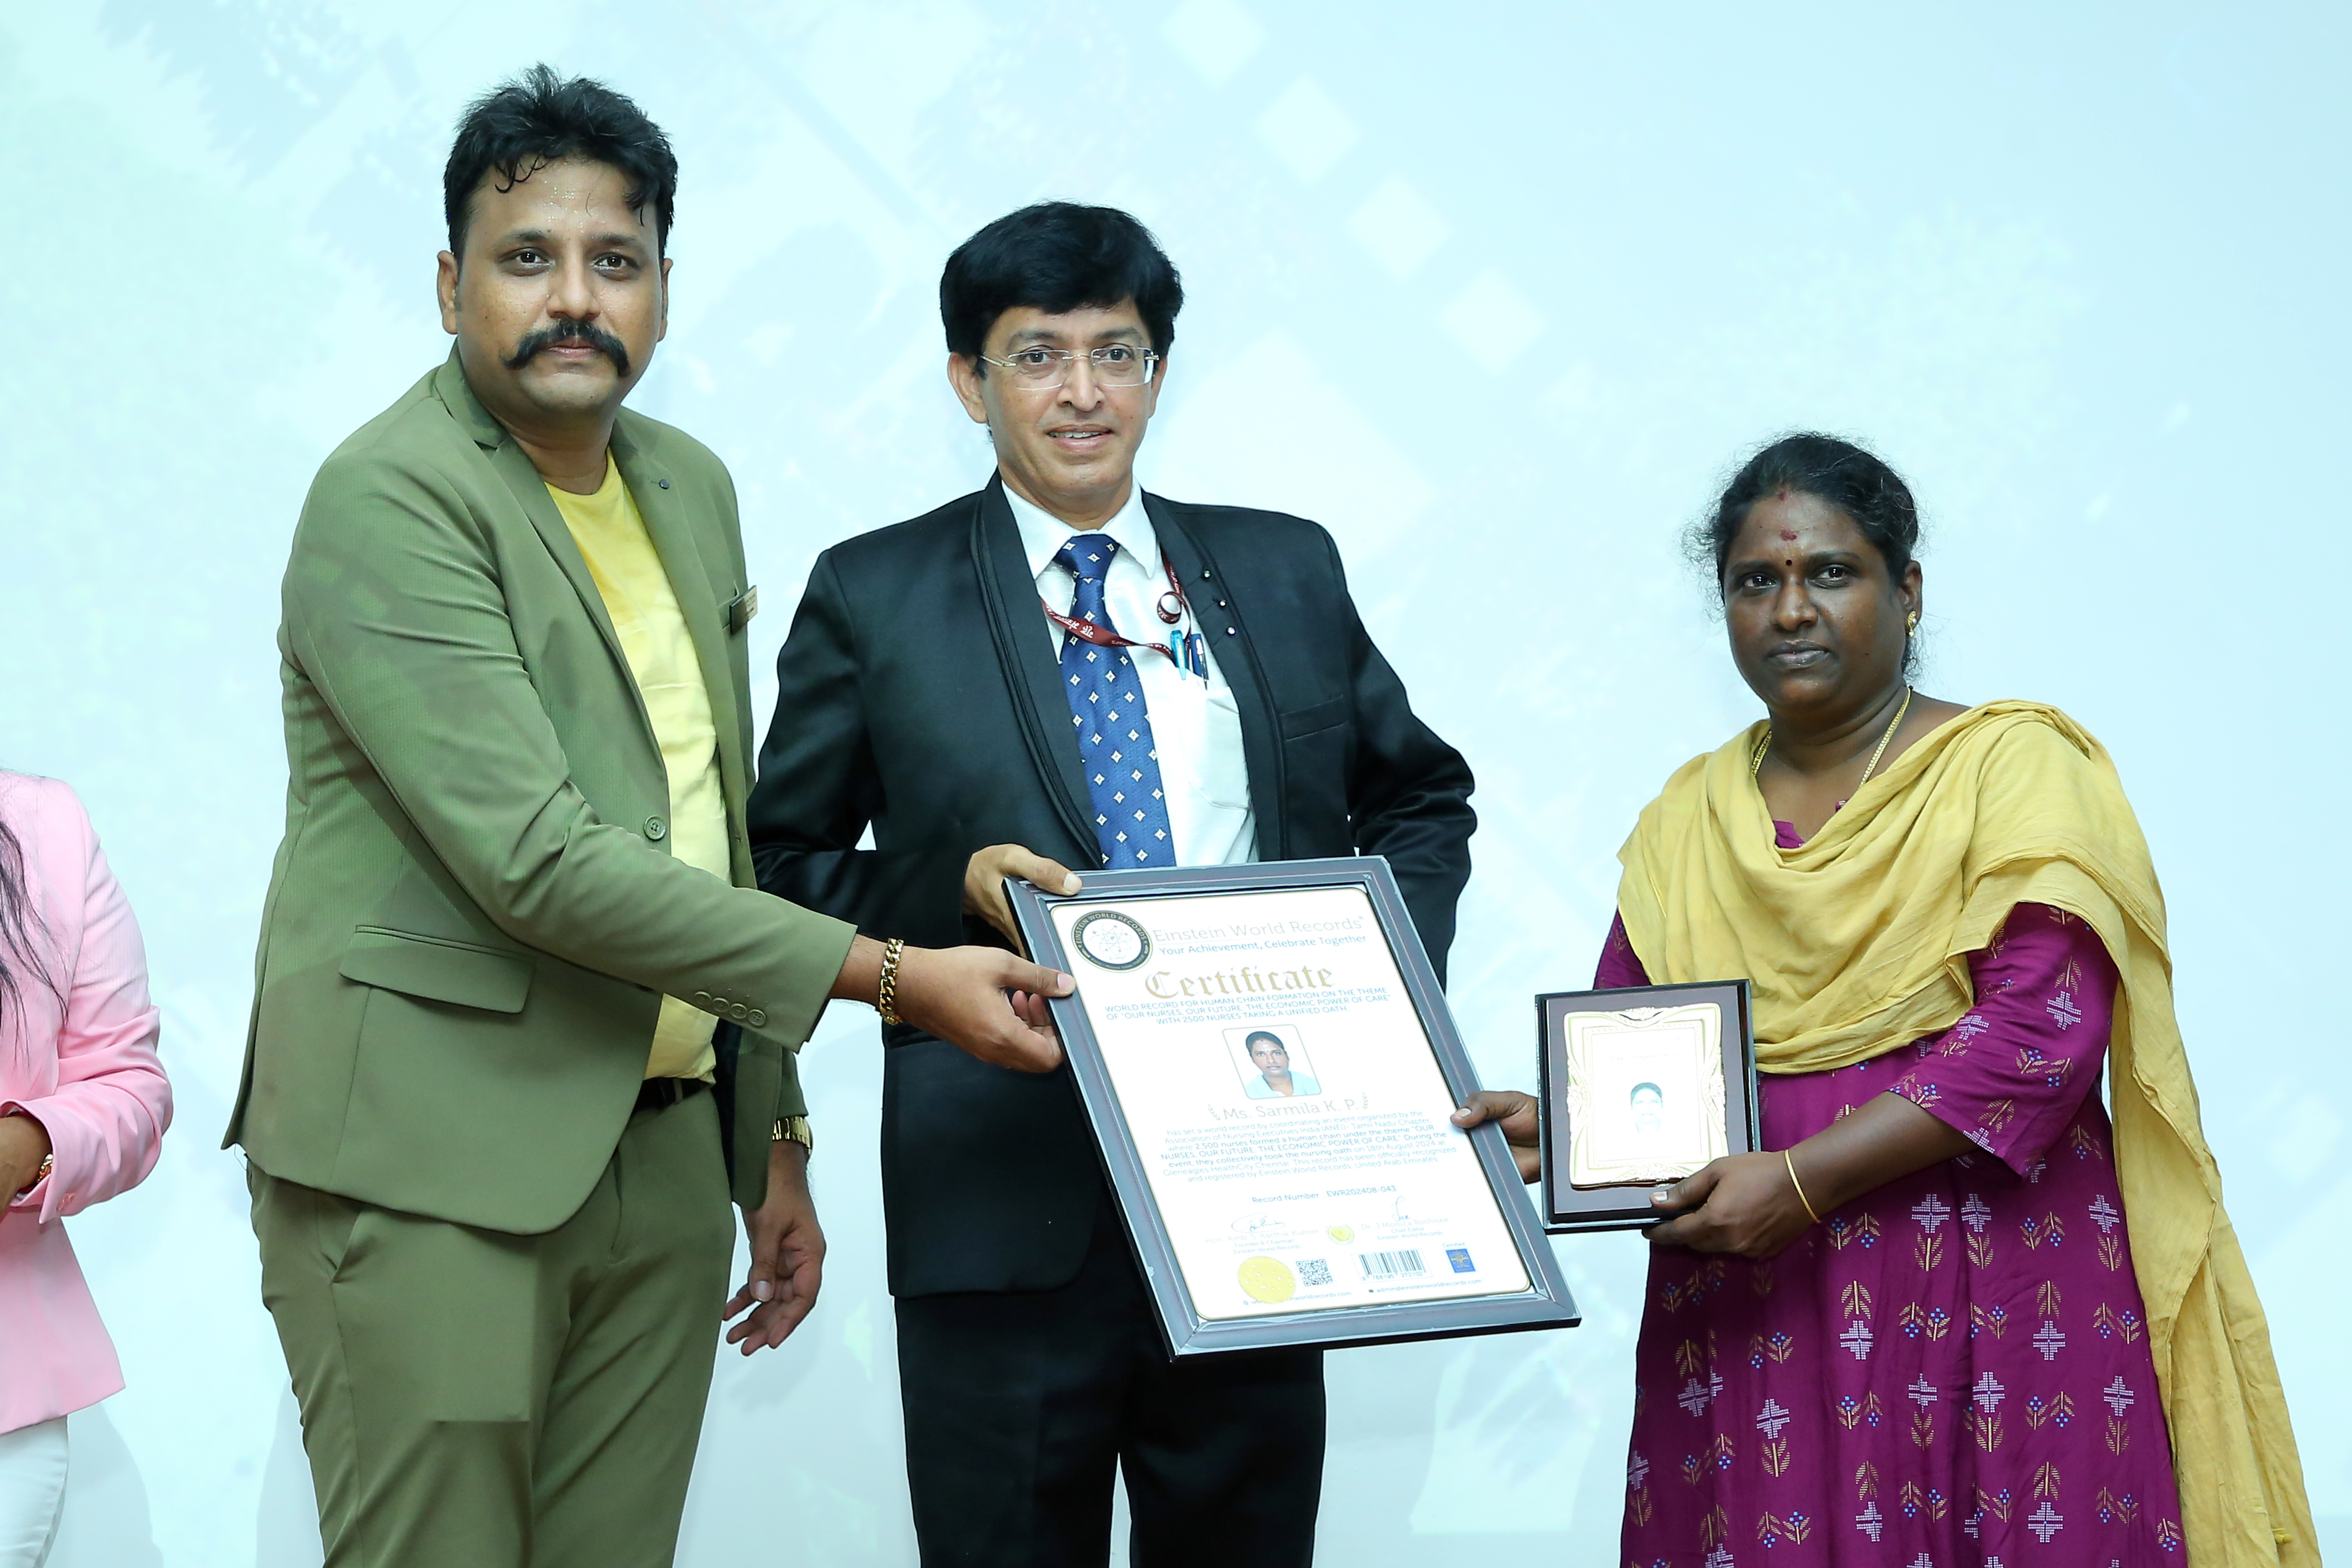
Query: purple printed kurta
(1950, 1371)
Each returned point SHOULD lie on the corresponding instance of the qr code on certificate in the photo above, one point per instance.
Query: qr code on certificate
(1314, 1271)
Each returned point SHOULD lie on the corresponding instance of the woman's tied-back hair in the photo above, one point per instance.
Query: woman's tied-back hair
(1058, 256)
(520, 126)
(1836, 472)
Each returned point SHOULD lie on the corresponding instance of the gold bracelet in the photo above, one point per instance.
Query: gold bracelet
(47, 1161)
(1791, 1164)
(886, 1002)
(796, 1130)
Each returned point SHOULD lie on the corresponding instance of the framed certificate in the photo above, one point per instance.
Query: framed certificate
(1641, 1087)
(1270, 1070)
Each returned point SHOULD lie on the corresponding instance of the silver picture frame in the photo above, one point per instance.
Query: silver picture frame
(1547, 1303)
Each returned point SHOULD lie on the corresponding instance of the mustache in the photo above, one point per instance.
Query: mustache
(585, 333)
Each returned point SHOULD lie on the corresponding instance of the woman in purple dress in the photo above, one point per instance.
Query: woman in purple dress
(1954, 1317)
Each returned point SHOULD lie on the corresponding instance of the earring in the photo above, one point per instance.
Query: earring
(1913, 624)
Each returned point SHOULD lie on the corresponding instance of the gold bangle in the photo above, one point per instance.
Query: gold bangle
(1791, 1164)
(886, 1001)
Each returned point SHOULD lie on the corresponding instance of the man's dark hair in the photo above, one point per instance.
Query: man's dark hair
(1055, 256)
(538, 117)
(1270, 1037)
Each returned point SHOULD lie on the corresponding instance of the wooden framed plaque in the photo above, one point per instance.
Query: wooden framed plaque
(1269, 1069)
(1641, 1087)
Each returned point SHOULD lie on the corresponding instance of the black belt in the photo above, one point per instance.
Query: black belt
(661, 1093)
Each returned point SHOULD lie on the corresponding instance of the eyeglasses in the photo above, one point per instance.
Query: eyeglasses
(1040, 369)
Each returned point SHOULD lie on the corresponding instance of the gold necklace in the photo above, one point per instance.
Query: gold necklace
(1756, 762)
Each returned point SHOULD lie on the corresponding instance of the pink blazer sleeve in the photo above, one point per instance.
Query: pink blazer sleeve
(91, 1076)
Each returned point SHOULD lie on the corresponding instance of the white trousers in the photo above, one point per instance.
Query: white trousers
(32, 1491)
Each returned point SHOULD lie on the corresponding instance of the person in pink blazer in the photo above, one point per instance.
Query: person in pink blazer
(83, 1105)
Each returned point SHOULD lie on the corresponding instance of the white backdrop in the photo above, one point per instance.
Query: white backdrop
(1497, 293)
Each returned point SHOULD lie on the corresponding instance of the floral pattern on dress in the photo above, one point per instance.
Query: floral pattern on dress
(1952, 1371)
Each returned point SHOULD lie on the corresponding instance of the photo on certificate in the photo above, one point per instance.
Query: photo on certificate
(1642, 1086)
(1272, 1062)
(1266, 1062)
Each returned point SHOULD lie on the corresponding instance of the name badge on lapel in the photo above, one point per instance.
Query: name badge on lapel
(741, 608)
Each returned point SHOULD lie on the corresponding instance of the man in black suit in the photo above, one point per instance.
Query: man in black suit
(1060, 671)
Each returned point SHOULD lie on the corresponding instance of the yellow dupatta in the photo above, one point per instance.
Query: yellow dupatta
(1858, 941)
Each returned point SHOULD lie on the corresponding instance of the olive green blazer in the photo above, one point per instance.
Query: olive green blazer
(474, 913)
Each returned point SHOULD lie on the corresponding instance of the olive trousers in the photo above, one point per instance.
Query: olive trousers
(472, 1399)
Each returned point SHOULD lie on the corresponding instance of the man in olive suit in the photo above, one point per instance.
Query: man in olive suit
(492, 1115)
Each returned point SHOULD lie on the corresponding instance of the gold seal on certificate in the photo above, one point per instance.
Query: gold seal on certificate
(1640, 1086)
(1270, 1071)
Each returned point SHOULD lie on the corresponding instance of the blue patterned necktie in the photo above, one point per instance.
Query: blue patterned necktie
(1115, 744)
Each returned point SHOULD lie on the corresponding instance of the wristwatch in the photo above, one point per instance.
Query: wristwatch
(791, 1129)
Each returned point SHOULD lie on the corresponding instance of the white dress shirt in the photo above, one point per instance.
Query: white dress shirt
(1194, 724)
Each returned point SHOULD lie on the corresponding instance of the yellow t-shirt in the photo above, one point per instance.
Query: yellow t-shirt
(636, 593)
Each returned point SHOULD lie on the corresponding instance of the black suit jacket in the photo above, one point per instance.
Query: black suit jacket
(919, 695)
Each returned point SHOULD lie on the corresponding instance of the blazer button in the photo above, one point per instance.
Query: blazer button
(702, 999)
(1229, 632)
(756, 1018)
(657, 829)
(739, 1012)
(718, 1005)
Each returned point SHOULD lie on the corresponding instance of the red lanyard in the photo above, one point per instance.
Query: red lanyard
(1171, 608)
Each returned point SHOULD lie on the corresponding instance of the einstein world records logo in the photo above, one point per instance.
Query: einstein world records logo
(1109, 940)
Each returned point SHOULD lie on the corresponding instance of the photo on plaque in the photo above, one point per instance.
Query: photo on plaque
(1269, 1070)
(1641, 1087)
(1644, 1094)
